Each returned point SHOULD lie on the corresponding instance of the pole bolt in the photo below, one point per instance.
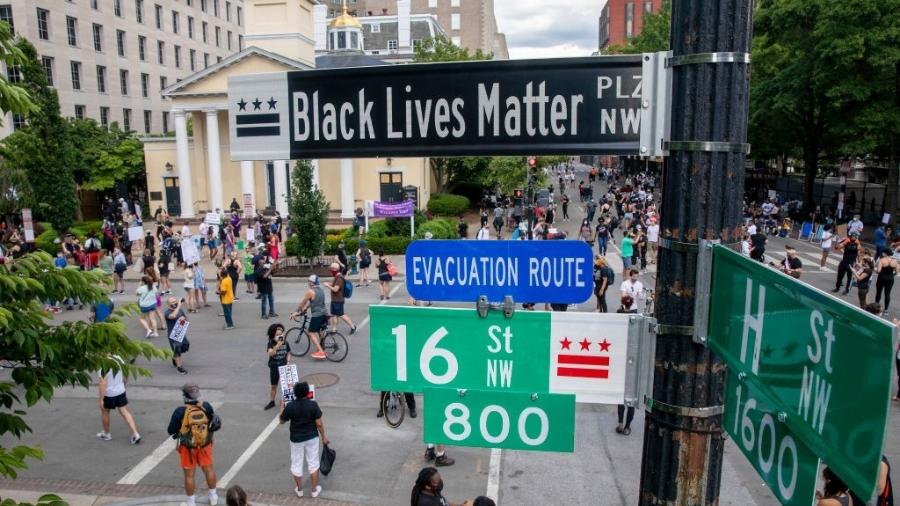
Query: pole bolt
(461, 392)
(646, 104)
(782, 416)
(742, 376)
(534, 397)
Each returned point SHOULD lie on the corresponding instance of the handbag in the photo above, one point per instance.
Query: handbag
(392, 269)
(326, 461)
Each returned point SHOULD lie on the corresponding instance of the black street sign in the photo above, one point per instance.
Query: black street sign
(572, 105)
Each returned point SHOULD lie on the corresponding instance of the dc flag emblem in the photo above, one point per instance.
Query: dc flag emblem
(259, 117)
(591, 365)
(253, 122)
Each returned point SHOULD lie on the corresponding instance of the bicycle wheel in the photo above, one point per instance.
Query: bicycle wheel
(299, 341)
(335, 346)
(394, 407)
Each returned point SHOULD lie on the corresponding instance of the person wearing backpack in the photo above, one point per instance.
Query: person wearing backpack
(603, 278)
(192, 426)
(364, 260)
(340, 291)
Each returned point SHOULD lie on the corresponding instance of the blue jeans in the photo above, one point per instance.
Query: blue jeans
(226, 309)
(262, 301)
(601, 245)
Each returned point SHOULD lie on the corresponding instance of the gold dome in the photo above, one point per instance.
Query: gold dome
(344, 20)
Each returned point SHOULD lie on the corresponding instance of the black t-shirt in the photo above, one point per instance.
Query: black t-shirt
(758, 240)
(851, 251)
(302, 413)
(280, 357)
(432, 500)
(602, 230)
(792, 263)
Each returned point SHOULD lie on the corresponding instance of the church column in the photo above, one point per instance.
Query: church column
(248, 183)
(347, 210)
(281, 186)
(315, 173)
(183, 159)
(215, 160)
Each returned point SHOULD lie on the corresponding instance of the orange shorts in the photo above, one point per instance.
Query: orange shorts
(192, 457)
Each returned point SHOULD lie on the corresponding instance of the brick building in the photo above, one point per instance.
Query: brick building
(621, 20)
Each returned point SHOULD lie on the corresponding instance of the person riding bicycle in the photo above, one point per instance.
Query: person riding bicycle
(314, 299)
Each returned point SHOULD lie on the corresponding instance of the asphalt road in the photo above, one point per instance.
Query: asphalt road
(375, 464)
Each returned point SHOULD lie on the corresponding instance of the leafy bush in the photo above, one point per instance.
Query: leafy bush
(446, 204)
(291, 246)
(44, 240)
(390, 245)
(440, 228)
(81, 228)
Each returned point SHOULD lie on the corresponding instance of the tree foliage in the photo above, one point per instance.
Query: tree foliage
(14, 97)
(44, 353)
(441, 49)
(654, 36)
(309, 211)
(40, 149)
(108, 155)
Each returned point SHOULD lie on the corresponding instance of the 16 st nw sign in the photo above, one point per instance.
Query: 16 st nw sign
(573, 105)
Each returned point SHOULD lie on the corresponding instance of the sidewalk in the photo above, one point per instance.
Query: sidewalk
(87, 493)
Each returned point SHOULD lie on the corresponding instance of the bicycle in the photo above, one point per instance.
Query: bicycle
(648, 301)
(394, 407)
(334, 344)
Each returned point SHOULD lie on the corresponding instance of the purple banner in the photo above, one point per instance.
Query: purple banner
(385, 210)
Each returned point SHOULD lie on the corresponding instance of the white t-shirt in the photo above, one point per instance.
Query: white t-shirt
(115, 384)
(751, 229)
(146, 296)
(483, 234)
(185, 231)
(653, 233)
(635, 289)
(827, 239)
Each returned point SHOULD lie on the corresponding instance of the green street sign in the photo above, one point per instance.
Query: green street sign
(824, 365)
(490, 419)
(595, 356)
(786, 465)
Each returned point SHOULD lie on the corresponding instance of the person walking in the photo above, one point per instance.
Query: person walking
(264, 287)
(146, 294)
(306, 429)
(249, 268)
(120, 265)
(165, 258)
(200, 287)
(192, 426)
(234, 266)
(826, 244)
(633, 289)
(565, 207)
(279, 353)
(625, 414)
(850, 248)
(112, 396)
(189, 288)
(627, 252)
(314, 299)
(885, 268)
(653, 239)
(603, 277)
(364, 260)
(174, 314)
(226, 296)
(758, 242)
(337, 298)
(384, 275)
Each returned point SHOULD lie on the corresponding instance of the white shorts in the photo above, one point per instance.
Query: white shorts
(309, 450)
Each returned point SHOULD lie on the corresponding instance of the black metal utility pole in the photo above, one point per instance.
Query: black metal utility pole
(703, 186)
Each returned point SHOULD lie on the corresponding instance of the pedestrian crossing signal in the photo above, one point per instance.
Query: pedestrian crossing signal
(532, 161)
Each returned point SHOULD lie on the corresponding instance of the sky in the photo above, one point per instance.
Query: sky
(544, 29)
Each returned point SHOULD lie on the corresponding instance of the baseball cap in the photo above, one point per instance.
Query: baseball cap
(191, 391)
(314, 279)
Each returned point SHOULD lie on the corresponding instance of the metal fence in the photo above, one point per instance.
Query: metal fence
(864, 198)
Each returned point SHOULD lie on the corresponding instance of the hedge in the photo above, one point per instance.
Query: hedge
(446, 204)
(440, 228)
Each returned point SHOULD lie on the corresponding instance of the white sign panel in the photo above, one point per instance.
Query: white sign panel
(213, 218)
(287, 378)
(135, 233)
(179, 331)
(189, 252)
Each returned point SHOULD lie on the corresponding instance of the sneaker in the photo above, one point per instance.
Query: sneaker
(845, 292)
(156, 334)
(429, 454)
(273, 315)
(836, 290)
(182, 370)
(317, 491)
(229, 327)
(269, 406)
(263, 317)
(443, 461)
(298, 491)
(213, 498)
(380, 413)
(320, 355)
(135, 439)
(149, 334)
(353, 330)
(105, 436)
(412, 413)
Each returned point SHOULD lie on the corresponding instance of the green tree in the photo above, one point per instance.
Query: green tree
(45, 354)
(108, 155)
(448, 170)
(41, 147)
(825, 78)
(654, 35)
(14, 98)
(309, 211)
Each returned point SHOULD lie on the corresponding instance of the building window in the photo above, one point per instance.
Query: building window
(204, 31)
(456, 41)
(205, 60)
(95, 4)
(47, 62)
(79, 111)
(76, 75)
(416, 43)
(228, 39)
(101, 79)
(18, 121)
(163, 82)
(190, 3)
(120, 43)
(161, 52)
(192, 59)
(145, 85)
(123, 81)
(203, 5)
(454, 3)
(43, 23)
(190, 27)
(139, 10)
(432, 4)
(104, 116)
(228, 11)
(178, 57)
(376, 27)
(72, 30)
(240, 42)
(218, 59)
(148, 116)
(7, 15)
(240, 15)
(165, 124)
(14, 74)
(98, 37)
(126, 119)
(629, 19)
(218, 36)
(157, 10)
(174, 22)
(392, 45)
(142, 48)
(216, 8)
(454, 21)
(648, 6)
(354, 40)
(117, 8)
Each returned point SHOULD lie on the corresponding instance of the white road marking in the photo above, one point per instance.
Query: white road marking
(245, 457)
(143, 468)
(493, 482)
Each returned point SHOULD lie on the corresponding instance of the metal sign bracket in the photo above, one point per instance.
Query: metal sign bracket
(484, 306)
(655, 103)
(702, 290)
(640, 359)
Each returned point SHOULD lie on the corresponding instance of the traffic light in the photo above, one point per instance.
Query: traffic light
(532, 161)
(518, 196)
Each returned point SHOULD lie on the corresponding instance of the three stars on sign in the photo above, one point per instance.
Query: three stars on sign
(585, 344)
(257, 103)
